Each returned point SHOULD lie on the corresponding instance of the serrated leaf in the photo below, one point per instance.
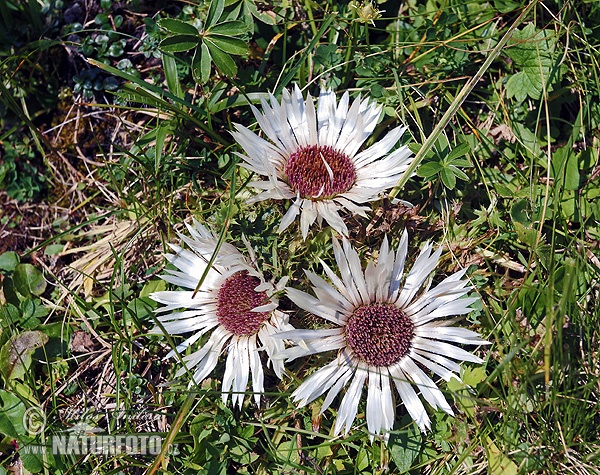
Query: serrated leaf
(179, 43)
(535, 57)
(448, 178)
(227, 44)
(458, 151)
(473, 376)
(228, 28)
(214, 12)
(429, 169)
(178, 26)
(201, 64)
(222, 60)
(15, 355)
(28, 280)
(8, 261)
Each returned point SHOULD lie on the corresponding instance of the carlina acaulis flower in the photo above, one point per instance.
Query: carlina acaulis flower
(234, 302)
(313, 156)
(390, 329)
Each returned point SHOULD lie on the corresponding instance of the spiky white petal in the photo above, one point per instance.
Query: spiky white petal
(432, 340)
(294, 123)
(243, 351)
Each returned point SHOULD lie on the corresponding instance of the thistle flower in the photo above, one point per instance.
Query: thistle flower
(234, 302)
(312, 157)
(388, 329)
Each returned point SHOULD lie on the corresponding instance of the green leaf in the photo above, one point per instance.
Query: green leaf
(15, 355)
(458, 173)
(222, 60)
(458, 151)
(228, 28)
(178, 26)
(54, 249)
(448, 178)
(171, 75)
(179, 43)
(201, 64)
(214, 12)
(156, 285)
(11, 415)
(498, 462)
(227, 44)
(473, 376)
(429, 169)
(28, 280)
(526, 235)
(536, 58)
(8, 261)
(405, 446)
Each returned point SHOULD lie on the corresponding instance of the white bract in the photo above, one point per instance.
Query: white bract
(313, 156)
(391, 329)
(234, 303)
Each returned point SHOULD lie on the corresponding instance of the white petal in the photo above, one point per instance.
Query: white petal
(411, 401)
(290, 215)
(445, 349)
(349, 405)
(428, 388)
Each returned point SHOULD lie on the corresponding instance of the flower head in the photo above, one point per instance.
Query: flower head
(388, 328)
(234, 302)
(312, 156)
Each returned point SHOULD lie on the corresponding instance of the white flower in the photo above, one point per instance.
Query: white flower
(312, 157)
(234, 302)
(388, 329)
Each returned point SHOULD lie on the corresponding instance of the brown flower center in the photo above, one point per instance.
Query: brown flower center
(235, 300)
(319, 172)
(380, 334)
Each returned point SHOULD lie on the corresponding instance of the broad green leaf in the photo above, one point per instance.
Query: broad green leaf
(171, 75)
(429, 169)
(405, 447)
(520, 212)
(11, 415)
(535, 58)
(526, 235)
(498, 462)
(214, 12)
(458, 151)
(179, 43)
(15, 355)
(201, 64)
(565, 168)
(152, 286)
(54, 249)
(473, 376)
(227, 44)
(8, 261)
(28, 280)
(228, 28)
(178, 27)
(222, 60)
